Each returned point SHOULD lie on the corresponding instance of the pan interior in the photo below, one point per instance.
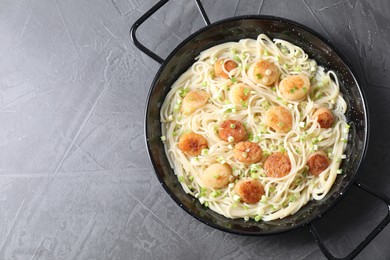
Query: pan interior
(234, 30)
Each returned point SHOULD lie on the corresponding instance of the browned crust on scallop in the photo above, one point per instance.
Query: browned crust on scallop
(277, 165)
(192, 144)
(317, 163)
(325, 117)
(250, 191)
(247, 152)
(238, 132)
(229, 65)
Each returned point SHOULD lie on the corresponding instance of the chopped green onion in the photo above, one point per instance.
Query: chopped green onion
(257, 218)
(264, 199)
(191, 178)
(236, 197)
(205, 151)
(232, 126)
(339, 171)
(163, 138)
(204, 84)
(246, 91)
(236, 58)
(181, 178)
(244, 154)
(230, 139)
(233, 79)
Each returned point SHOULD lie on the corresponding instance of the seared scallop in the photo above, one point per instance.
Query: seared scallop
(239, 94)
(249, 190)
(318, 162)
(222, 67)
(324, 117)
(295, 87)
(232, 131)
(264, 72)
(217, 175)
(247, 152)
(194, 100)
(277, 165)
(192, 143)
(279, 119)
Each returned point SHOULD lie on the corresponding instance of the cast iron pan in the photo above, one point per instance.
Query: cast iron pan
(318, 48)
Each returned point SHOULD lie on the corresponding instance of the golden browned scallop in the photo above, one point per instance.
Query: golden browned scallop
(295, 87)
(264, 72)
(277, 165)
(239, 94)
(192, 143)
(318, 162)
(194, 100)
(232, 131)
(247, 152)
(216, 175)
(324, 117)
(279, 119)
(249, 190)
(222, 64)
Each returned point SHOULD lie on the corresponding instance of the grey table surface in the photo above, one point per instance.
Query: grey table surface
(75, 178)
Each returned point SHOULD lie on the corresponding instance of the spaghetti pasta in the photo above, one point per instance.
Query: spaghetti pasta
(243, 92)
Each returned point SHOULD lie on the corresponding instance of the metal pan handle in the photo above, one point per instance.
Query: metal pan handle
(368, 239)
(146, 16)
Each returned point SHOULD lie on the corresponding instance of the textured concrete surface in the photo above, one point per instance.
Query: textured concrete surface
(75, 179)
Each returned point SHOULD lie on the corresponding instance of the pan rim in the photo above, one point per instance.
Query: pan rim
(342, 191)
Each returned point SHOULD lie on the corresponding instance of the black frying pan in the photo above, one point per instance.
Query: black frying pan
(318, 48)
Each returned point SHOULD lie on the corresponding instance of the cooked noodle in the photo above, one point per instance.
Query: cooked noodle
(283, 196)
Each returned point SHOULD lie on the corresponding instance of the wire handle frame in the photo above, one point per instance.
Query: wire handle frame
(146, 16)
(370, 236)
